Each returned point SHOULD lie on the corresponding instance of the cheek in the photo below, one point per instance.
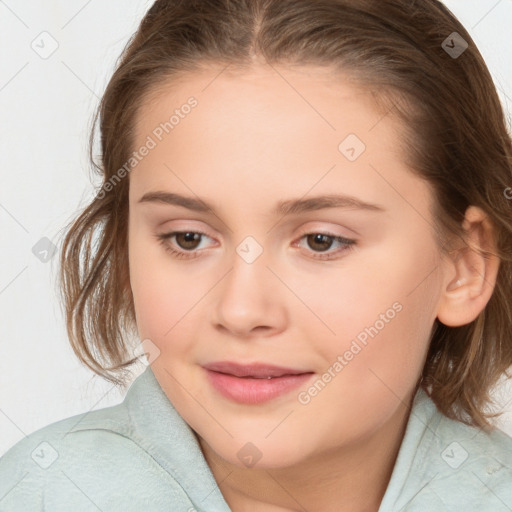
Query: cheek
(160, 292)
(382, 310)
(371, 283)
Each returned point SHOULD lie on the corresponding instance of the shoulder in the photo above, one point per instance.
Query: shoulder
(448, 465)
(476, 465)
(83, 462)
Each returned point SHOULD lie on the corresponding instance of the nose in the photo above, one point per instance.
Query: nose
(249, 299)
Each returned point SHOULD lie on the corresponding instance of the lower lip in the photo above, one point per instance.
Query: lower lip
(255, 391)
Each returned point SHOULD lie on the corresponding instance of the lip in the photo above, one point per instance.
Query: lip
(257, 370)
(250, 383)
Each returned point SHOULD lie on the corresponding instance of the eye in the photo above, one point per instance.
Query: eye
(188, 240)
(324, 241)
(186, 244)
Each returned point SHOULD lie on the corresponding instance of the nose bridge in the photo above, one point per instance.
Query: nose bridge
(247, 296)
(247, 276)
(250, 250)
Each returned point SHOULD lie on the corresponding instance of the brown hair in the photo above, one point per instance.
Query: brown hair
(454, 131)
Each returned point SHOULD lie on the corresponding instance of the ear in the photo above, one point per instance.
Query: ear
(470, 275)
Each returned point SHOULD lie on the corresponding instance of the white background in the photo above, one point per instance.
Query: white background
(46, 110)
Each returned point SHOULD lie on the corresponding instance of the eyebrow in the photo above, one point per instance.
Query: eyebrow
(288, 207)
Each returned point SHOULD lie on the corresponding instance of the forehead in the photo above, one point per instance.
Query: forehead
(304, 90)
(243, 110)
(269, 130)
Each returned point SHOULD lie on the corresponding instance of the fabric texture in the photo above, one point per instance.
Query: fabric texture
(141, 455)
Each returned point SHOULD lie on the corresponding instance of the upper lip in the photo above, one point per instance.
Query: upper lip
(258, 370)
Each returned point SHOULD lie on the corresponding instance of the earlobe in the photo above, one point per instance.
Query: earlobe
(471, 272)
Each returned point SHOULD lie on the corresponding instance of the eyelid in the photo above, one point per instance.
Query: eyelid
(173, 232)
(186, 227)
(306, 230)
(334, 232)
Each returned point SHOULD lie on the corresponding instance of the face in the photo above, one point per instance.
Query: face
(340, 294)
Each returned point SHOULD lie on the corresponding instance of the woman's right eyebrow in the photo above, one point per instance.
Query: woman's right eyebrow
(287, 207)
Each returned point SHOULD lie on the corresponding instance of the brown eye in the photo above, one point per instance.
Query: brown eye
(183, 244)
(188, 240)
(319, 245)
(319, 241)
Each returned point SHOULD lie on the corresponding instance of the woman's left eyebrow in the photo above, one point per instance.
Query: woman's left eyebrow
(287, 207)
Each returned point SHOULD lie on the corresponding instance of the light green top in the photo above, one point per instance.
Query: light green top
(141, 455)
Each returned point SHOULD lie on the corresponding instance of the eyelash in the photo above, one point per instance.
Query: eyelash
(164, 240)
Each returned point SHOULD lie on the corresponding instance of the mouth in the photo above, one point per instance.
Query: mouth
(254, 383)
(253, 370)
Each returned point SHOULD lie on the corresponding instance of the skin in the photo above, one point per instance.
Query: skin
(254, 139)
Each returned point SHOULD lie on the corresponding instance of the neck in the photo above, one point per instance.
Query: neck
(349, 478)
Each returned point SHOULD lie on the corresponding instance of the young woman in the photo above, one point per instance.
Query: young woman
(305, 224)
